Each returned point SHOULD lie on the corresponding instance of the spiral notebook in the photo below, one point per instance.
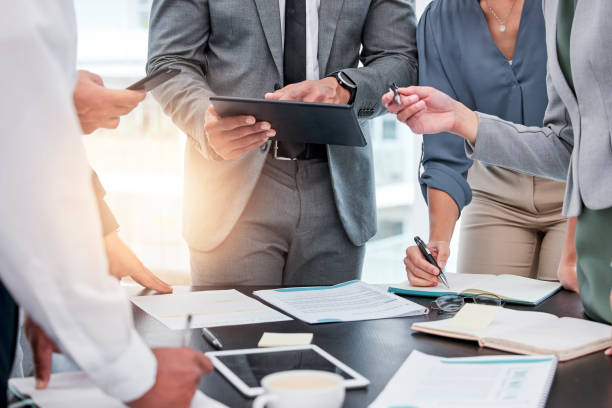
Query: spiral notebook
(469, 382)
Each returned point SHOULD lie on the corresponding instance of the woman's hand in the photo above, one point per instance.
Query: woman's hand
(123, 262)
(419, 271)
(427, 110)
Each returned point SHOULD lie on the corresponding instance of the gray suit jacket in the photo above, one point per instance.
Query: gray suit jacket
(233, 47)
(577, 129)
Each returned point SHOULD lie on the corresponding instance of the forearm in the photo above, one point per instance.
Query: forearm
(389, 54)
(107, 218)
(539, 151)
(443, 215)
(569, 255)
(185, 99)
(370, 83)
(178, 36)
(466, 123)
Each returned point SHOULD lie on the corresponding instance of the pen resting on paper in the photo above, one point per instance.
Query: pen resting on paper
(187, 333)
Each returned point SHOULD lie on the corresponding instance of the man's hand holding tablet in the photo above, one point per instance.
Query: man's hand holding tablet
(231, 137)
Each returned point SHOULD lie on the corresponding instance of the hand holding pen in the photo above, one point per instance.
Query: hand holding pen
(396, 96)
(420, 270)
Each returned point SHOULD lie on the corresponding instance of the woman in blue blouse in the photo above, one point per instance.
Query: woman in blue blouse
(491, 56)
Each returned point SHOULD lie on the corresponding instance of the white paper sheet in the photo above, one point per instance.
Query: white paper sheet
(348, 301)
(75, 390)
(470, 382)
(209, 308)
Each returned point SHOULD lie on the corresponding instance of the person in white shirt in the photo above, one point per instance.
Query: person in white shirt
(52, 259)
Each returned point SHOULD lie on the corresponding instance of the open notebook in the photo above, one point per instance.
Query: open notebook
(513, 289)
(531, 333)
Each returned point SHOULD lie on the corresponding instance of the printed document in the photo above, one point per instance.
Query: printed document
(210, 308)
(425, 381)
(76, 390)
(348, 301)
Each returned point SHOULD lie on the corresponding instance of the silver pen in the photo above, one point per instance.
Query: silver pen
(187, 333)
(211, 339)
(396, 96)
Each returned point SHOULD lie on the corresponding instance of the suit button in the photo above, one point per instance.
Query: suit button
(277, 86)
(264, 146)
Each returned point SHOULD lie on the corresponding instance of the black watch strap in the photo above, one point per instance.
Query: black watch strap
(347, 83)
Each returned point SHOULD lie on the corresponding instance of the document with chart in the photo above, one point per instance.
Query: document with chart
(210, 308)
(348, 301)
(469, 382)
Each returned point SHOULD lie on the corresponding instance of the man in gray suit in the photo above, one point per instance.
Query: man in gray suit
(257, 211)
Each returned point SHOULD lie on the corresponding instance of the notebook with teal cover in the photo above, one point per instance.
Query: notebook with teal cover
(511, 288)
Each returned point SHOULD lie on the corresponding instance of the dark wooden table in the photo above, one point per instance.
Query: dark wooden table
(377, 348)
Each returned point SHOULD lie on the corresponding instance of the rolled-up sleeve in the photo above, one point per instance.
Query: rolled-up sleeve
(444, 162)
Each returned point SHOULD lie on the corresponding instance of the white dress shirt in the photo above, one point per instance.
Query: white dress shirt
(312, 36)
(51, 254)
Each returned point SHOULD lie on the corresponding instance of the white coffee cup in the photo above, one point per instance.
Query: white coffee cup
(301, 389)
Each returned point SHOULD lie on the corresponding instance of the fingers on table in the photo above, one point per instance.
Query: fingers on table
(148, 279)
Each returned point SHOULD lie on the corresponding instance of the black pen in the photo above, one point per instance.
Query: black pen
(396, 97)
(211, 339)
(427, 254)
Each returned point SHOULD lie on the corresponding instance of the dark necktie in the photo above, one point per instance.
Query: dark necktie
(294, 57)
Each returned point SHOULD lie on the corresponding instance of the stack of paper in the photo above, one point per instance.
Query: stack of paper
(473, 382)
(209, 308)
(348, 301)
(75, 390)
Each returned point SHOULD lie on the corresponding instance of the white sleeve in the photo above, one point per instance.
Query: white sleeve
(51, 253)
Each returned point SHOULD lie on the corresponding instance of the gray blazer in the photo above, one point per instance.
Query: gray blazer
(233, 47)
(577, 129)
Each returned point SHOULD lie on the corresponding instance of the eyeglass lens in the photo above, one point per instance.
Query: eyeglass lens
(448, 303)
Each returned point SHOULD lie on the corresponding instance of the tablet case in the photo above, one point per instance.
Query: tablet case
(303, 122)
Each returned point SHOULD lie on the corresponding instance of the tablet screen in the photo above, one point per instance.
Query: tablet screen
(251, 368)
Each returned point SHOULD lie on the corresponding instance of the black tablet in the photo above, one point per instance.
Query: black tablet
(303, 122)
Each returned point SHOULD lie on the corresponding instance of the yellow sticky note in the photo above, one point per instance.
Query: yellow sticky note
(284, 339)
(473, 316)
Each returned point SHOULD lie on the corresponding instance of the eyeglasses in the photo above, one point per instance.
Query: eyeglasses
(452, 303)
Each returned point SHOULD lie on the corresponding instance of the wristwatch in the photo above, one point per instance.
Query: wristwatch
(347, 83)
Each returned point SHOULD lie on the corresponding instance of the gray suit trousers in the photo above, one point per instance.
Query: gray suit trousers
(290, 233)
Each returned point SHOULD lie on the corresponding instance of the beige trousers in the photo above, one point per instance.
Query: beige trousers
(513, 224)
